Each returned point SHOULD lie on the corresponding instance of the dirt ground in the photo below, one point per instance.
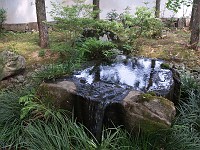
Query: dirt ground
(173, 48)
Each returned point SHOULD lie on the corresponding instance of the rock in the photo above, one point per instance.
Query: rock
(146, 112)
(101, 34)
(142, 74)
(131, 109)
(58, 95)
(11, 64)
(118, 93)
(20, 78)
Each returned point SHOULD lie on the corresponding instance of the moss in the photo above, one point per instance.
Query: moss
(151, 93)
(145, 97)
(164, 66)
(1, 68)
(147, 125)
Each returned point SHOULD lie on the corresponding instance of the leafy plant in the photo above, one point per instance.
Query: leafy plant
(2, 18)
(93, 49)
(113, 16)
(142, 24)
(146, 24)
(126, 18)
(72, 19)
(185, 133)
(33, 108)
(56, 70)
(12, 127)
(175, 5)
(59, 133)
(189, 85)
(41, 53)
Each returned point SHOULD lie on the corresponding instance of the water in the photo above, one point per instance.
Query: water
(141, 74)
(104, 84)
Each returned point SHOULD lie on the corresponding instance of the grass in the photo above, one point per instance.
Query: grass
(172, 48)
(26, 44)
(61, 132)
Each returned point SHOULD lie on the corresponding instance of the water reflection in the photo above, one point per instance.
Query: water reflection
(138, 73)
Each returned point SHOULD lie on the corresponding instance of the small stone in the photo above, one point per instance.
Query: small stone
(20, 78)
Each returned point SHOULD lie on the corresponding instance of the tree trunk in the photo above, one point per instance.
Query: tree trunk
(194, 7)
(42, 27)
(157, 11)
(195, 28)
(96, 8)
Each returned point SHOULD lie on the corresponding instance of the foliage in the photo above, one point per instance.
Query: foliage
(41, 53)
(113, 15)
(185, 132)
(11, 133)
(143, 24)
(57, 70)
(175, 5)
(60, 133)
(76, 19)
(33, 108)
(146, 24)
(2, 18)
(189, 85)
(72, 19)
(93, 49)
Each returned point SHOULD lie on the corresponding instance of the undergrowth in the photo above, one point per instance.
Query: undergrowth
(26, 123)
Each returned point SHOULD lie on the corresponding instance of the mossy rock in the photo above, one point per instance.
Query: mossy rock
(11, 64)
(165, 66)
(147, 112)
(149, 126)
(146, 97)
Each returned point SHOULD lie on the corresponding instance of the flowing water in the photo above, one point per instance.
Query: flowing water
(103, 84)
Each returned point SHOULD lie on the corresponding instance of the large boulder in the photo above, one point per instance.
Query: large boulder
(147, 112)
(58, 95)
(134, 110)
(11, 64)
(118, 93)
(140, 74)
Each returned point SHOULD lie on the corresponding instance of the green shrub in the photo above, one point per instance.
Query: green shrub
(2, 18)
(113, 15)
(57, 70)
(185, 133)
(189, 85)
(143, 24)
(146, 24)
(41, 53)
(94, 49)
(12, 127)
(72, 19)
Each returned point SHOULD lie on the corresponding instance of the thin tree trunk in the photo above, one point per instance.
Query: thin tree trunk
(192, 15)
(96, 8)
(42, 27)
(157, 11)
(195, 28)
